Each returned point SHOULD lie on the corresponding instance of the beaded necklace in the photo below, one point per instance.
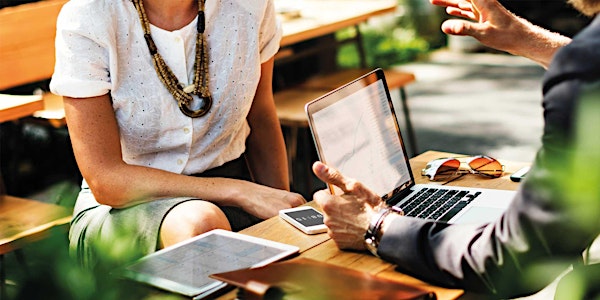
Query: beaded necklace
(182, 94)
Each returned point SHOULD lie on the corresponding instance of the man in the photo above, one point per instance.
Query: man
(553, 217)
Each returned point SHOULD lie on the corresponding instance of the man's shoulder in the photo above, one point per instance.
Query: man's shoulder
(580, 59)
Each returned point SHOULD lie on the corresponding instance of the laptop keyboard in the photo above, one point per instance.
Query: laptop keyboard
(437, 204)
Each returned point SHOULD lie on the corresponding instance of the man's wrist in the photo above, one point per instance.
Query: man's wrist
(375, 230)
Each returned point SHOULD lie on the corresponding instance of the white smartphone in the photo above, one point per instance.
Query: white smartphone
(305, 218)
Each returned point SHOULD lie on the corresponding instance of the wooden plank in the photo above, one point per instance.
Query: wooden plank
(394, 79)
(316, 17)
(54, 110)
(440, 292)
(14, 107)
(27, 33)
(322, 248)
(24, 220)
(290, 105)
(277, 229)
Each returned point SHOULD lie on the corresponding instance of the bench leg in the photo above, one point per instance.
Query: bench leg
(2, 278)
(291, 144)
(308, 160)
(408, 123)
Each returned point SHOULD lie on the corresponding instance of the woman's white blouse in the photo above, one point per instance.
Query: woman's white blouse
(100, 49)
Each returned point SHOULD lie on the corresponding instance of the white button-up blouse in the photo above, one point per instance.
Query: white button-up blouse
(100, 49)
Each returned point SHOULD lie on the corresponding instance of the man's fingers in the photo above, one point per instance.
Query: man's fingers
(329, 175)
(445, 2)
(462, 27)
(347, 185)
(333, 176)
(321, 197)
(457, 12)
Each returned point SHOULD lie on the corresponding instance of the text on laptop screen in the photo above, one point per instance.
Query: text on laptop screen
(359, 136)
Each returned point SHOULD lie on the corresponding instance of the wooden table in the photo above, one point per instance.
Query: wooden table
(322, 17)
(321, 247)
(16, 107)
(23, 221)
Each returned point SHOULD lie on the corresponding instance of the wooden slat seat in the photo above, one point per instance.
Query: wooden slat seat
(395, 79)
(290, 104)
(27, 33)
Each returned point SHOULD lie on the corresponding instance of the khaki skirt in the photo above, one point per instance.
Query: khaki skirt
(100, 232)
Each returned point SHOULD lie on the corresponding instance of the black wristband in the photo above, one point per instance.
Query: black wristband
(372, 235)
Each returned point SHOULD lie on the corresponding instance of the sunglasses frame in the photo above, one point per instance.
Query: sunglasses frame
(458, 171)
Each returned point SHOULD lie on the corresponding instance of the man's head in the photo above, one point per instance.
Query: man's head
(586, 7)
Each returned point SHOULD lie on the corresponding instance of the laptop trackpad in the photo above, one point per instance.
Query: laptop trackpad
(478, 215)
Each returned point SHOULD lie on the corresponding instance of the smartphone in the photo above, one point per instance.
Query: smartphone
(305, 218)
(519, 174)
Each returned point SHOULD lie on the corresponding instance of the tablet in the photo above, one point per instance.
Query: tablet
(184, 268)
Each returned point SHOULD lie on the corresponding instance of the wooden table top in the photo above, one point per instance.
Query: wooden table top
(321, 247)
(23, 220)
(321, 17)
(16, 107)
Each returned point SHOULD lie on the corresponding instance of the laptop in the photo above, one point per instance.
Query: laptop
(356, 131)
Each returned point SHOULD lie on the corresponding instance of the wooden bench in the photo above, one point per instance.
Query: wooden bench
(396, 80)
(290, 104)
(27, 33)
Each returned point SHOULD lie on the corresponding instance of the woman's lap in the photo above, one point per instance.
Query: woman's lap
(100, 226)
(136, 227)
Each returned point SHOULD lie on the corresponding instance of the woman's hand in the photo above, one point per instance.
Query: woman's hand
(348, 215)
(263, 201)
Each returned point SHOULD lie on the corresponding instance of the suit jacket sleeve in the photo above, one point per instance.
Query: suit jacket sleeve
(541, 226)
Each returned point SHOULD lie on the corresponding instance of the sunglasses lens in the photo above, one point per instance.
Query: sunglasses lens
(441, 169)
(487, 166)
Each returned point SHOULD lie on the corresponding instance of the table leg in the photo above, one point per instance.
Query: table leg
(408, 123)
(2, 278)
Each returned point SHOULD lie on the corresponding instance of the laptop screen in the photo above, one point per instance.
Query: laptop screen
(356, 131)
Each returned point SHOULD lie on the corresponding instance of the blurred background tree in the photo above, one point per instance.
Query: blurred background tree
(408, 35)
(414, 30)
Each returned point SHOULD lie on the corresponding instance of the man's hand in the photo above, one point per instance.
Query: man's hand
(348, 215)
(496, 27)
(491, 23)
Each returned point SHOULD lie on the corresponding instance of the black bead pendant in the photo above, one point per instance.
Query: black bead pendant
(205, 104)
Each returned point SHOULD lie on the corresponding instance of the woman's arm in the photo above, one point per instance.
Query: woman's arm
(265, 145)
(95, 138)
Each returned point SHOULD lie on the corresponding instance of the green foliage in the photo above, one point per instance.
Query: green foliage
(383, 49)
(53, 273)
(577, 178)
(580, 179)
(406, 37)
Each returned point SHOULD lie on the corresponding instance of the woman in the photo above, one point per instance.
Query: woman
(156, 91)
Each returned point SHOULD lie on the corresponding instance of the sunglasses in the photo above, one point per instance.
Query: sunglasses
(445, 168)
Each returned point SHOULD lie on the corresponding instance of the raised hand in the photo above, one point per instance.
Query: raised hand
(348, 215)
